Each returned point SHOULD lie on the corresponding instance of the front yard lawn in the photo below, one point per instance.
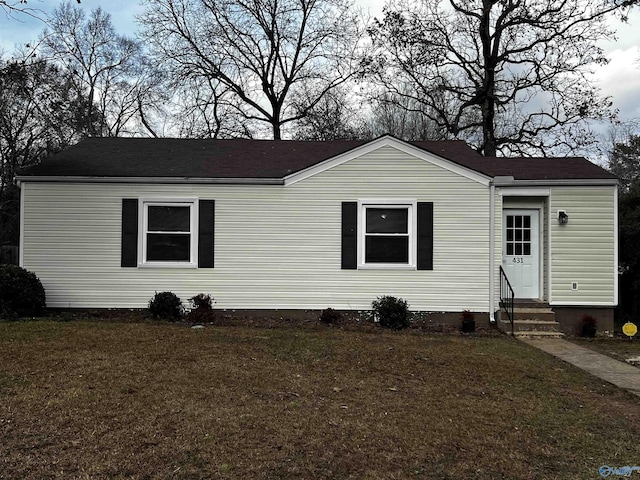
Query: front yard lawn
(116, 400)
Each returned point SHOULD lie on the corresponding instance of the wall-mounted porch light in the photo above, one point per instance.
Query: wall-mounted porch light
(563, 218)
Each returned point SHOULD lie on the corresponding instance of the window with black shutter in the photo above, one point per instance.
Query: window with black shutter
(174, 232)
(384, 234)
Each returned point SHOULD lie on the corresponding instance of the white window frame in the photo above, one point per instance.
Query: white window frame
(143, 215)
(400, 203)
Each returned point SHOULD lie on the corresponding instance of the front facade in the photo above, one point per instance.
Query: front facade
(381, 218)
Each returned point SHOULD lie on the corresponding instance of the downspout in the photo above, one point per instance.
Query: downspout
(492, 245)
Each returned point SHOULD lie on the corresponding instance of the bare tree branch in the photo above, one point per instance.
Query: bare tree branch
(262, 53)
(509, 76)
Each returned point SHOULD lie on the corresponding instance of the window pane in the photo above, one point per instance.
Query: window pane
(387, 220)
(527, 249)
(518, 249)
(518, 235)
(509, 235)
(518, 221)
(509, 249)
(169, 219)
(381, 249)
(510, 221)
(527, 235)
(527, 221)
(169, 248)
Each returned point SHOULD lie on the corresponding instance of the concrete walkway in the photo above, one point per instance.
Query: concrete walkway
(613, 371)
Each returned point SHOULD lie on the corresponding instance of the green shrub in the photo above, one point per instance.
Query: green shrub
(329, 316)
(166, 305)
(391, 312)
(202, 301)
(21, 293)
(201, 309)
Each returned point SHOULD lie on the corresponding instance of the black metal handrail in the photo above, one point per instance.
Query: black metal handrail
(506, 296)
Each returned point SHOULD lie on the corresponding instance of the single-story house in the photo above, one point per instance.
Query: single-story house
(294, 225)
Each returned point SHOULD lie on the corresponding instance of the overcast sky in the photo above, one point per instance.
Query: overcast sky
(620, 78)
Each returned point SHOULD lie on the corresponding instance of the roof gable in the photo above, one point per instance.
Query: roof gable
(441, 153)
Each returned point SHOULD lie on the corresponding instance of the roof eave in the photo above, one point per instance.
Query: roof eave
(154, 180)
(562, 182)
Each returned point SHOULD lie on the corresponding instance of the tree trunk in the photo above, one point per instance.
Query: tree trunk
(488, 102)
(277, 134)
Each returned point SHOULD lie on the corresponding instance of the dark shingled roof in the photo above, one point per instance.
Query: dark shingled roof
(269, 159)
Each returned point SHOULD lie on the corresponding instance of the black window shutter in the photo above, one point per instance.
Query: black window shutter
(206, 224)
(349, 235)
(129, 239)
(425, 236)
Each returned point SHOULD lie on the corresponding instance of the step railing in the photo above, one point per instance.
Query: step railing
(506, 296)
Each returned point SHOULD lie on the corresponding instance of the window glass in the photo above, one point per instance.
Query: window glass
(169, 218)
(386, 249)
(518, 235)
(168, 248)
(168, 235)
(387, 235)
(387, 220)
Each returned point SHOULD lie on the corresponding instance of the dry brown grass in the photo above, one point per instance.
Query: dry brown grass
(141, 400)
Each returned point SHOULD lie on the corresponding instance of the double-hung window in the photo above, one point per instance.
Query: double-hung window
(387, 238)
(169, 232)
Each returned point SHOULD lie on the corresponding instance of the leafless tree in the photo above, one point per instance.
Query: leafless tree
(336, 116)
(624, 153)
(510, 76)
(108, 68)
(39, 111)
(11, 8)
(204, 108)
(261, 53)
(402, 117)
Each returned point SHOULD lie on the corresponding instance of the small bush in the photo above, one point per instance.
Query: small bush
(329, 316)
(391, 312)
(21, 293)
(201, 309)
(166, 305)
(202, 301)
(468, 322)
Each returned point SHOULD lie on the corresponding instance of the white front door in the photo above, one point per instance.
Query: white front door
(520, 251)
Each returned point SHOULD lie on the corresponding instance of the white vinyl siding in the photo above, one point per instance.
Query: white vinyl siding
(583, 250)
(276, 247)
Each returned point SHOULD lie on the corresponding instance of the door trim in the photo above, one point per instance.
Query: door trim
(541, 243)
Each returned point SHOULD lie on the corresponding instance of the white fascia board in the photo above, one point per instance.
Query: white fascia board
(155, 180)
(524, 192)
(565, 182)
(387, 141)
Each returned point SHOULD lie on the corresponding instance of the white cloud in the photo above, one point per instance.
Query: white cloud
(620, 79)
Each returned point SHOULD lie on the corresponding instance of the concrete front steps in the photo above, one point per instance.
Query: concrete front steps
(532, 318)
